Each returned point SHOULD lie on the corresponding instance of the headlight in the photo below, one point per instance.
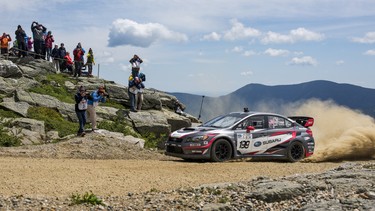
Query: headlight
(197, 138)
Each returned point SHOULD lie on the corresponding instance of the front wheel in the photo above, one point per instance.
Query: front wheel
(295, 152)
(221, 151)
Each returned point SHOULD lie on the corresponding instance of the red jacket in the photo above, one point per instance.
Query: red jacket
(68, 59)
(49, 40)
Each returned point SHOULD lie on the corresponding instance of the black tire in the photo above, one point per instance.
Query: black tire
(295, 151)
(221, 151)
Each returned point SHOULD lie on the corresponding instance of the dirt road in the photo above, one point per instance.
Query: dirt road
(63, 177)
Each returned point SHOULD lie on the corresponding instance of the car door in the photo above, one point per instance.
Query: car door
(249, 142)
(279, 130)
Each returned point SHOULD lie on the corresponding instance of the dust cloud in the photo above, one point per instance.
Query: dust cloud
(340, 133)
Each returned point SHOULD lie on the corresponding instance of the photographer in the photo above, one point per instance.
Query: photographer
(5, 39)
(93, 101)
(80, 109)
(38, 30)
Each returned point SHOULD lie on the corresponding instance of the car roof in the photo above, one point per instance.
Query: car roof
(250, 113)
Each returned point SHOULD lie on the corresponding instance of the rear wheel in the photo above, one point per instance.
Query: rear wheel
(221, 151)
(296, 151)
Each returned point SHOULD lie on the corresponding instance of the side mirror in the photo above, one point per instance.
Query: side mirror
(249, 129)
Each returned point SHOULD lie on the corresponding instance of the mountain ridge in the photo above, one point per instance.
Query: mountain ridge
(251, 95)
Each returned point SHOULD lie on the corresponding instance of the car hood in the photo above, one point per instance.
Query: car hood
(190, 130)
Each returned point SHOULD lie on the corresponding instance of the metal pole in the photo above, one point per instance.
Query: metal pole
(98, 69)
(200, 111)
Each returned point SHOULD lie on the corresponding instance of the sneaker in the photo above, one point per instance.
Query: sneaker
(133, 110)
(83, 134)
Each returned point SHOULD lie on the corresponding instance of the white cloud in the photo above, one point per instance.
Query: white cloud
(368, 38)
(237, 49)
(128, 32)
(306, 60)
(370, 53)
(249, 53)
(213, 36)
(340, 62)
(295, 35)
(248, 73)
(239, 31)
(276, 52)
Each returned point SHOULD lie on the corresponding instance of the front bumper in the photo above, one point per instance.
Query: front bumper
(187, 151)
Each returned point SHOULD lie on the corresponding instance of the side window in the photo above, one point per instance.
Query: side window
(278, 122)
(256, 121)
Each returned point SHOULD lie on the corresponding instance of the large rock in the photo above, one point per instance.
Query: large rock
(17, 107)
(9, 70)
(30, 131)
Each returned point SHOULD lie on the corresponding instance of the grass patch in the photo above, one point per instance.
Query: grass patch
(118, 126)
(87, 198)
(53, 120)
(7, 140)
(8, 114)
(151, 141)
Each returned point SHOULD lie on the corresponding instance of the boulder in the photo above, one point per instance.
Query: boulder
(17, 107)
(9, 70)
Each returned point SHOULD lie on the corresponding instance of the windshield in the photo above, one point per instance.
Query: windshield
(224, 121)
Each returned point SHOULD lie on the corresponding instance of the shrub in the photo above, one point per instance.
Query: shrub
(118, 126)
(8, 114)
(88, 198)
(53, 120)
(151, 141)
(7, 140)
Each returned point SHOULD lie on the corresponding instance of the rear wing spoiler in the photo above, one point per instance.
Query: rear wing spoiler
(303, 120)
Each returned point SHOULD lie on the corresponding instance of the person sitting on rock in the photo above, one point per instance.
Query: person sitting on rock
(68, 63)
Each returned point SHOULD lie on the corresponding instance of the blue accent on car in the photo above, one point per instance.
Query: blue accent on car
(257, 144)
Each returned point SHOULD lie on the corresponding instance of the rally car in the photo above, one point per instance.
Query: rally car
(244, 134)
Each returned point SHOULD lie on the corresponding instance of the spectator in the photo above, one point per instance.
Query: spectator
(135, 62)
(48, 41)
(94, 99)
(90, 62)
(135, 92)
(78, 60)
(20, 37)
(80, 109)
(62, 53)
(37, 30)
(68, 63)
(56, 58)
(30, 44)
(5, 39)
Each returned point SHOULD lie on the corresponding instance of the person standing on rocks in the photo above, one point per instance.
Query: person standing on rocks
(49, 42)
(56, 58)
(90, 62)
(136, 63)
(94, 99)
(80, 109)
(38, 30)
(20, 37)
(5, 39)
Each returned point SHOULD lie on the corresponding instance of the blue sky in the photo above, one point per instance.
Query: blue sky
(213, 47)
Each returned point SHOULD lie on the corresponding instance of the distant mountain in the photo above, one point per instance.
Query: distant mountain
(262, 97)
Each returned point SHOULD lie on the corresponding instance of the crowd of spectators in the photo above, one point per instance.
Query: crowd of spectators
(41, 46)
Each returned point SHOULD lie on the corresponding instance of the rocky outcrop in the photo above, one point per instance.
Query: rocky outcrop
(18, 75)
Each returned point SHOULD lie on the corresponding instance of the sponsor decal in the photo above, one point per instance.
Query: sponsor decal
(271, 141)
(257, 144)
(195, 145)
(244, 135)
